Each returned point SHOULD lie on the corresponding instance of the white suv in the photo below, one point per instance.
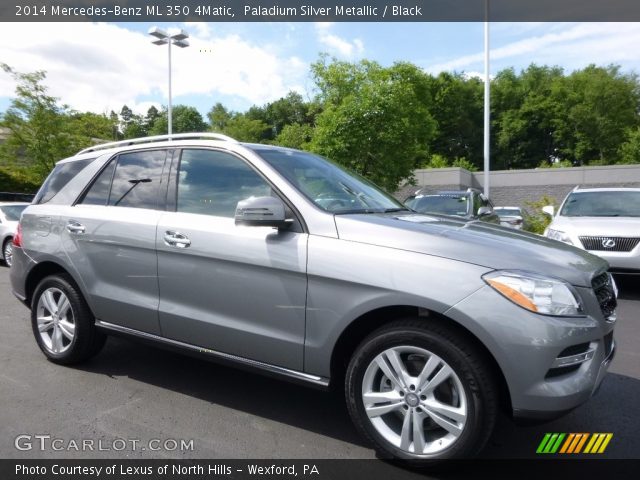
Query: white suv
(604, 221)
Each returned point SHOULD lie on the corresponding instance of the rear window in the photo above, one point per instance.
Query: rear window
(457, 205)
(508, 212)
(12, 212)
(59, 177)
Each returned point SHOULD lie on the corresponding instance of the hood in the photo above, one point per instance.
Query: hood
(598, 226)
(476, 242)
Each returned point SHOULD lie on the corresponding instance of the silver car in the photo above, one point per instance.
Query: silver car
(510, 217)
(9, 216)
(280, 261)
(603, 221)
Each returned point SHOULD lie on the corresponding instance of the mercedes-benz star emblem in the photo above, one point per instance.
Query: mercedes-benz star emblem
(608, 242)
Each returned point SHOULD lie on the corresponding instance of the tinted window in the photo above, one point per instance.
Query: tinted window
(602, 204)
(59, 177)
(506, 212)
(137, 179)
(442, 204)
(12, 212)
(98, 194)
(212, 183)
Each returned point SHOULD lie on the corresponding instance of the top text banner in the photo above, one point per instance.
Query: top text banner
(320, 10)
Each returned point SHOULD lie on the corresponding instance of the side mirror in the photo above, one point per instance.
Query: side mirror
(484, 211)
(262, 212)
(549, 210)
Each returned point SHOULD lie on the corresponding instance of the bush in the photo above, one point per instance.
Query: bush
(18, 180)
(535, 220)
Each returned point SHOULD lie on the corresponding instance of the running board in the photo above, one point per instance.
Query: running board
(215, 355)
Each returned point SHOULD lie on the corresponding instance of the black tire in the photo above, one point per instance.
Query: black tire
(469, 364)
(4, 246)
(87, 340)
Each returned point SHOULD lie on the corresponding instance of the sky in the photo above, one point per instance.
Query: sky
(99, 67)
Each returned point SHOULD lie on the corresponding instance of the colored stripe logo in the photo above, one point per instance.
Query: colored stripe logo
(574, 443)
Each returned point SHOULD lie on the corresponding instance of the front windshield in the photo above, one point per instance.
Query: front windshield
(456, 205)
(12, 212)
(327, 185)
(602, 204)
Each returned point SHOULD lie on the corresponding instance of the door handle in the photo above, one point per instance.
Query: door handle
(176, 239)
(75, 227)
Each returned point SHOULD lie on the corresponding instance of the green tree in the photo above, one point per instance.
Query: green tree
(185, 119)
(245, 129)
(629, 151)
(457, 107)
(41, 130)
(375, 120)
(599, 106)
(527, 112)
(295, 136)
(150, 118)
(218, 117)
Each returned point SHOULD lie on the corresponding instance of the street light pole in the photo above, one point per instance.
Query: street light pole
(170, 110)
(179, 40)
(487, 100)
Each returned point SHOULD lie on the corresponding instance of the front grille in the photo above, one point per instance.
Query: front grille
(603, 289)
(609, 244)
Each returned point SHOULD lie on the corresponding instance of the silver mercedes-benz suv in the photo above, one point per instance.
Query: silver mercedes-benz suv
(281, 261)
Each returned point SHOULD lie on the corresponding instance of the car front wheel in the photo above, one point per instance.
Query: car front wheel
(62, 322)
(421, 393)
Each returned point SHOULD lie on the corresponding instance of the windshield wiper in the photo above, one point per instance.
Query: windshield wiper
(134, 183)
(398, 209)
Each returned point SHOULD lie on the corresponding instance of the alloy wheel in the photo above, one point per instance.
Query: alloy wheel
(55, 320)
(414, 400)
(8, 253)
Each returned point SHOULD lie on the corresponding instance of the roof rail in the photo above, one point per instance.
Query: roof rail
(577, 187)
(157, 138)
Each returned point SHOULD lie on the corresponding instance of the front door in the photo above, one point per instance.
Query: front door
(234, 289)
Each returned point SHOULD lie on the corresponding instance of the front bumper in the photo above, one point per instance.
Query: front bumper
(527, 347)
(621, 262)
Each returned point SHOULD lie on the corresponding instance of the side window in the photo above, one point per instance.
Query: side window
(59, 177)
(137, 179)
(98, 193)
(212, 183)
(477, 203)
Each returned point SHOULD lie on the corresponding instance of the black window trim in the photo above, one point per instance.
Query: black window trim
(172, 187)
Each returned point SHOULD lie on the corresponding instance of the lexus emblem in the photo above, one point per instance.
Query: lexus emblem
(608, 242)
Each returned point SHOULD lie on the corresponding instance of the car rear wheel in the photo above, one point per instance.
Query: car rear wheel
(62, 322)
(7, 251)
(421, 393)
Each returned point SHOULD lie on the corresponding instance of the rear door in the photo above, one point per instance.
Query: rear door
(234, 289)
(109, 237)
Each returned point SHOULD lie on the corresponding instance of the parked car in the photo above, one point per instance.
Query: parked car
(231, 251)
(9, 217)
(470, 204)
(510, 217)
(603, 221)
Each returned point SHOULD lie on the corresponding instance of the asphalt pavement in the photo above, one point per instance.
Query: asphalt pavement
(153, 398)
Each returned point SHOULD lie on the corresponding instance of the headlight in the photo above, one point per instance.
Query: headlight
(536, 293)
(558, 235)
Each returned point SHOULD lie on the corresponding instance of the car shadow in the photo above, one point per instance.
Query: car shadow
(307, 408)
(612, 410)
(628, 286)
